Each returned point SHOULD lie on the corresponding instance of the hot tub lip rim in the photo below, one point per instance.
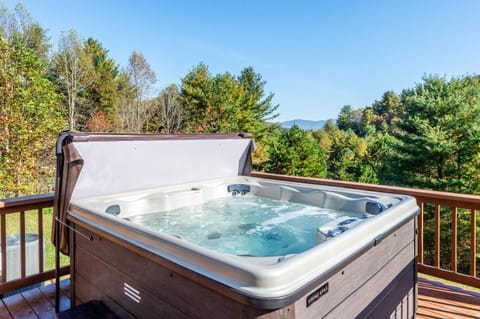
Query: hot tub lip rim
(252, 296)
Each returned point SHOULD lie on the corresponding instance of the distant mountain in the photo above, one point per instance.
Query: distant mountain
(305, 124)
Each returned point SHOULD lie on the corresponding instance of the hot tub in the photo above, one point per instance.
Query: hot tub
(213, 242)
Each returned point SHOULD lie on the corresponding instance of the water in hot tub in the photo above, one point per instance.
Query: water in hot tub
(244, 225)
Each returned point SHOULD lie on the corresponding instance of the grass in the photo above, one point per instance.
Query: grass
(31, 226)
(448, 282)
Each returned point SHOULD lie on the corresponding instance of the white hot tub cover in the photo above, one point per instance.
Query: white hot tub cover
(101, 164)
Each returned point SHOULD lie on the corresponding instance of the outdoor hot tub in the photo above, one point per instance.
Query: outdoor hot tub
(174, 226)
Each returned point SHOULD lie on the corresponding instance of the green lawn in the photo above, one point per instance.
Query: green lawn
(31, 226)
(448, 282)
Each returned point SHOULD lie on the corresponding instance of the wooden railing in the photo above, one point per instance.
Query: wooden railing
(433, 202)
(427, 200)
(31, 205)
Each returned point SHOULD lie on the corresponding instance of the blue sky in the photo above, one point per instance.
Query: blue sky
(316, 56)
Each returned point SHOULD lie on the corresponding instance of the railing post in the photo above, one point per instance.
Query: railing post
(420, 233)
(57, 263)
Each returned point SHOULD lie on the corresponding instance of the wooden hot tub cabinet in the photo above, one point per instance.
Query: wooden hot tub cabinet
(135, 283)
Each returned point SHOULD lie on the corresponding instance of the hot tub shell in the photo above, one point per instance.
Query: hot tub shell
(369, 271)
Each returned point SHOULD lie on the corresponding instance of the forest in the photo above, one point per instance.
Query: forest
(427, 136)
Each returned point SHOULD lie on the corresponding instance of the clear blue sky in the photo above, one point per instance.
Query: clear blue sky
(316, 56)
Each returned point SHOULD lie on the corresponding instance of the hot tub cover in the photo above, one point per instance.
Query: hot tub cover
(101, 164)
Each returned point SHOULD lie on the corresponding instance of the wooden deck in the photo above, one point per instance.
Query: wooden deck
(35, 303)
(436, 300)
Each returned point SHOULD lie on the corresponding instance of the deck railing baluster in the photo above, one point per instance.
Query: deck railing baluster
(437, 236)
(3, 240)
(23, 255)
(40, 240)
(473, 242)
(454, 238)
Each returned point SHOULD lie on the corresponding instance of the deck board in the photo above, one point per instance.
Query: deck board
(35, 303)
(438, 300)
(435, 301)
(4, 314)
(19, 308)
(49, 292)
(40, 304)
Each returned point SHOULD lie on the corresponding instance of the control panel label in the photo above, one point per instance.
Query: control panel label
(314, 296)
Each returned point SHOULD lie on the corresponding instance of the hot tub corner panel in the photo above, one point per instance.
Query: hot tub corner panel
(371, 286)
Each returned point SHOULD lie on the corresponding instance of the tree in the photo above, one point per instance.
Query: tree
(125, 108)
(389, 105)
(99, 122)
(438, 145)
(75, 73)
(350, 119)
(296, 153)
(388, 110)
(167, 112)
(19, 27)
(343, 119)
(101, 94)
(211, 103)
(141, 78)
(378, 152)
(348, 155)
(30, 120)
(226, 103)
(256, 109)
(256, 113)
(367, 125)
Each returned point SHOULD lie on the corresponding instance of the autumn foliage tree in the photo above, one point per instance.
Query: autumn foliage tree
(166, 112)
(30, 119)
(73, 72)
(141, 78)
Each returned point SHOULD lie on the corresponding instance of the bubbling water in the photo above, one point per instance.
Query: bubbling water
(244, 225)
